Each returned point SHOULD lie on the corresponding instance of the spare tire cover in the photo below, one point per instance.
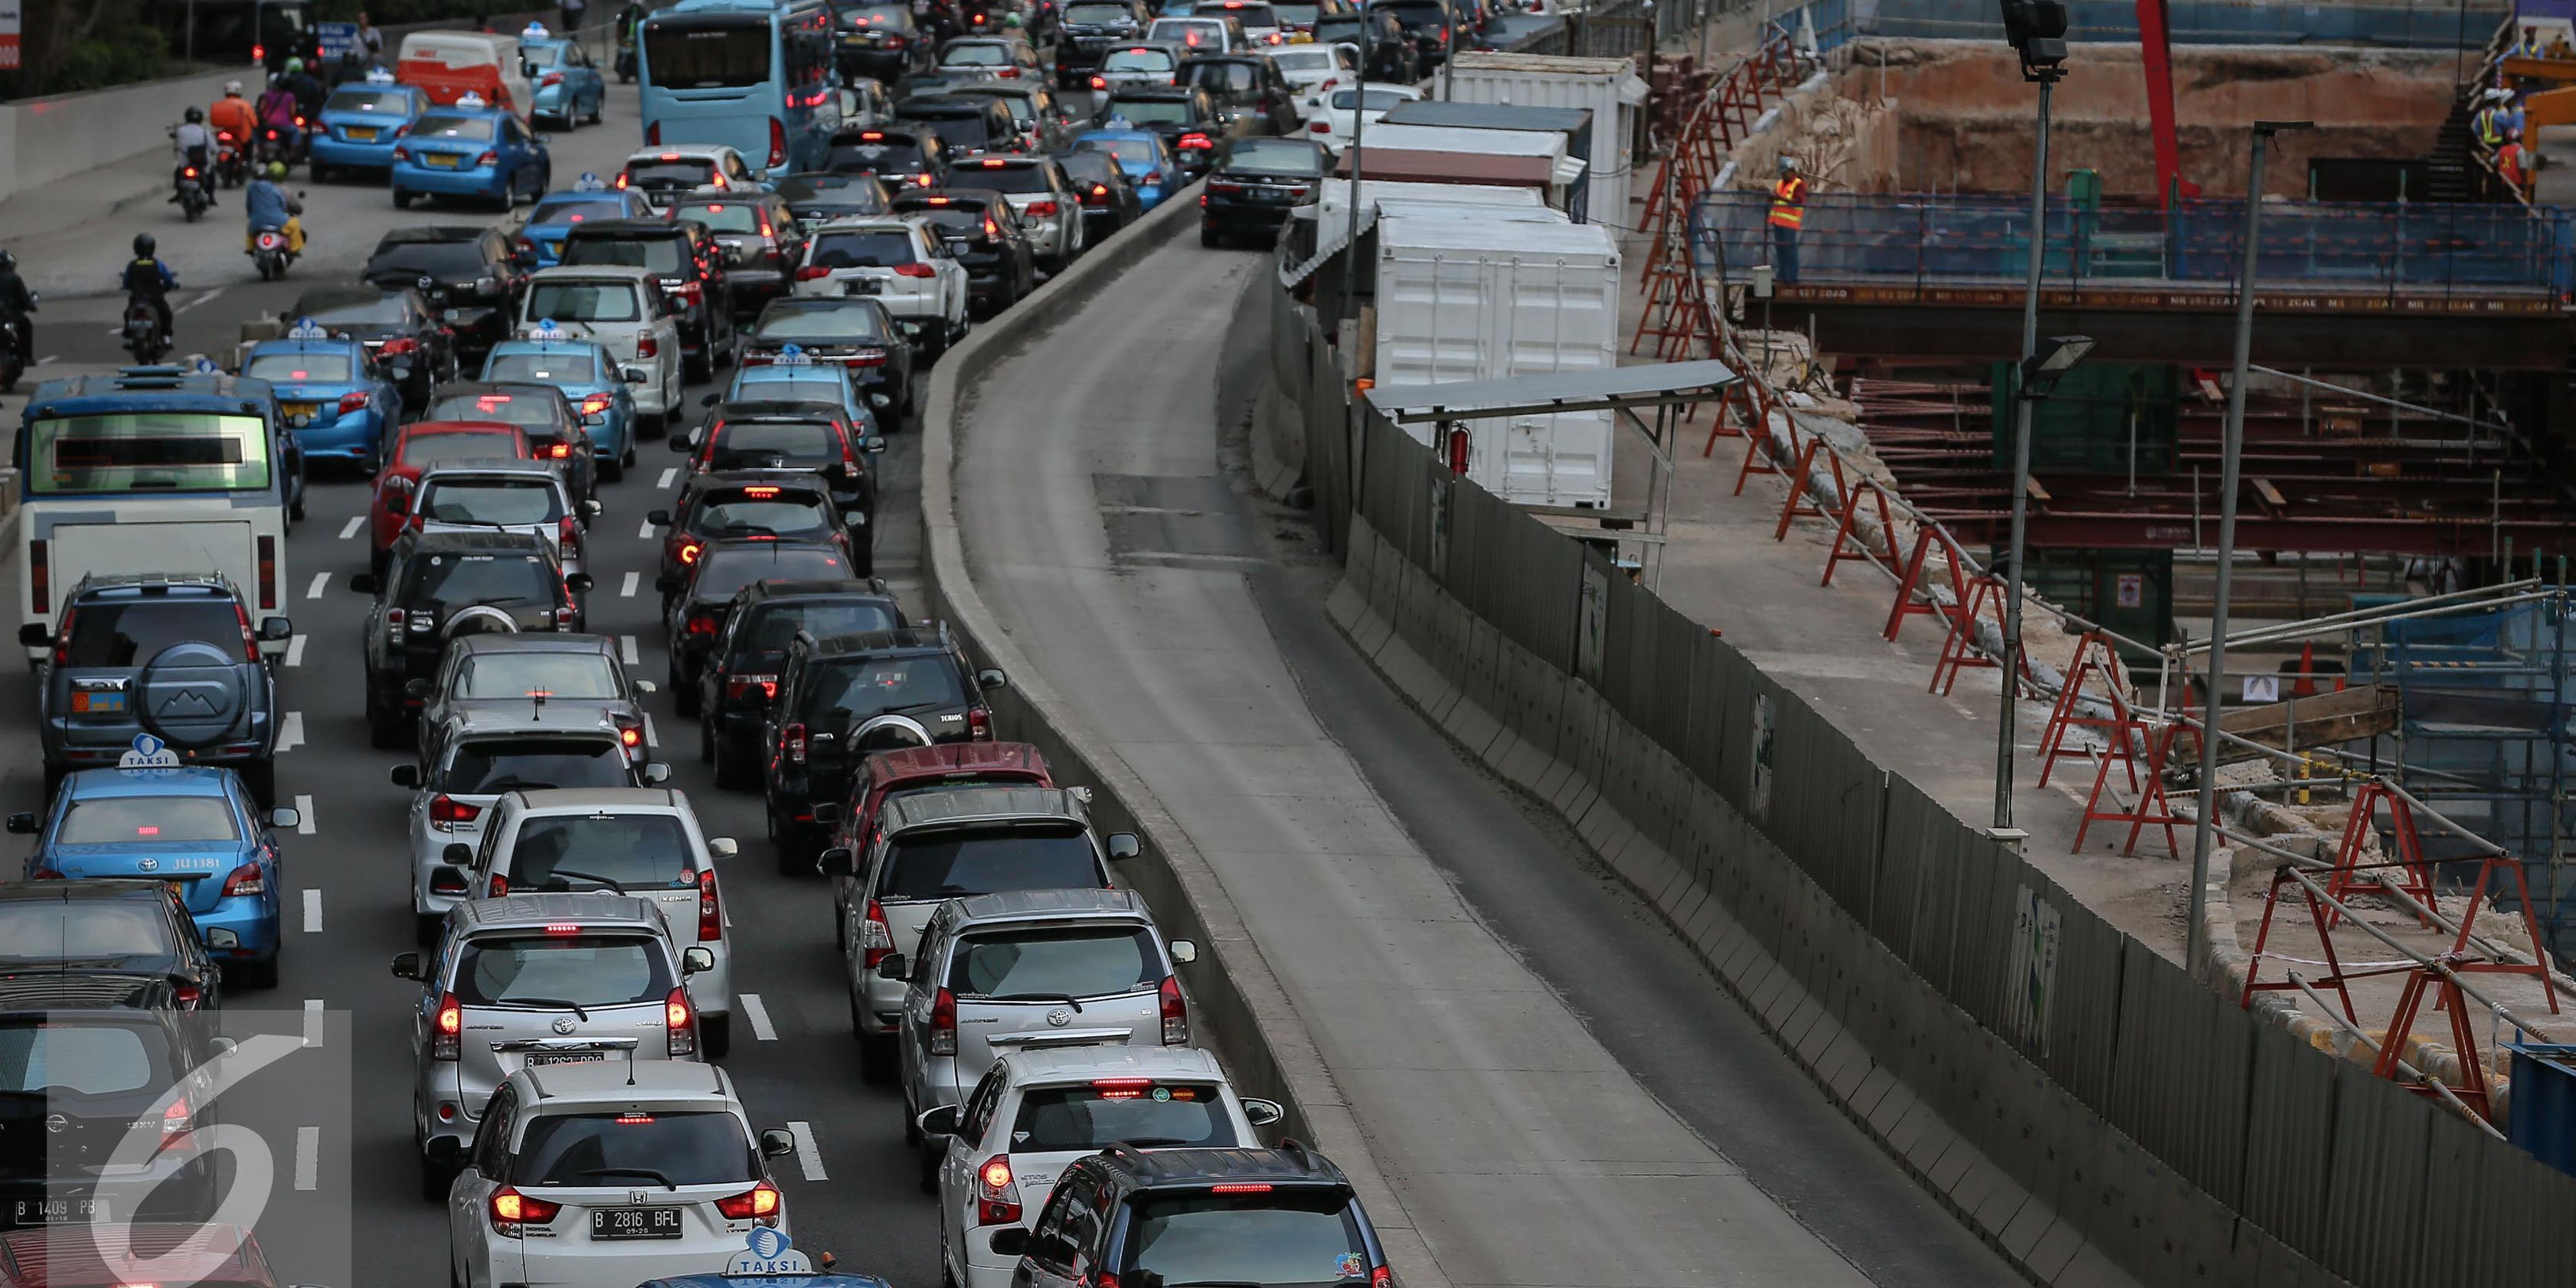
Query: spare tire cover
(889, 733)
(195, 695)
(480, 619)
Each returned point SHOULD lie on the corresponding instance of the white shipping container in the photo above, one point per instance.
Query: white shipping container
(1477, 299)
(1609, 87)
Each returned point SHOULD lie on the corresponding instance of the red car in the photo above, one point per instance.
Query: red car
(946, 764)
(155, 1252)
(420, 444)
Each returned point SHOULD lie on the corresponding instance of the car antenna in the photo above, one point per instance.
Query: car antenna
(537, 701)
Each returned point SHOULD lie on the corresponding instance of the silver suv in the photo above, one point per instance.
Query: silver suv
(505, 496)
(532, 981)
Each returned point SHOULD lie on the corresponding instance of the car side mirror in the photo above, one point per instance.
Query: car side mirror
(1184, 951)
(1011, 1241)
(541, 139)
(364, 583)
(695, 960)
(838, 861)
(777, 1144)
(872, 443)
(938, 1122)
(22, 823)
(992, 678)
(458, 853)
(658, 518)
(722, 847)
(286, 816)
(407, 965)
(826, 814)
(276, 628)
(1262, 1113)
(593, 509)
(894, 967)
(681, 443)
(579, 582)
(709, 401)
(647, 686)
(405, 776)
(34, 635)
(1123, 846)
(221, 1045)
(668, 583)
(635, 375)
(415, 688)
(656, 773)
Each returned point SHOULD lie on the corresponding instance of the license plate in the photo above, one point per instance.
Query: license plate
(1268, 194)
(362, 134)
(305, 410)
(97, 704)
(49, 1211)
(635, 1223)
(863, 286)
(442, 160)
(543, 1058)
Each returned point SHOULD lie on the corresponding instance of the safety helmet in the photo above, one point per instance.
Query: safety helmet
(276, 169)
(1011, 20)
(143, 245)
(8, 260)
(1788, 164)
(232, 89)
(294, 65)
(196, 116)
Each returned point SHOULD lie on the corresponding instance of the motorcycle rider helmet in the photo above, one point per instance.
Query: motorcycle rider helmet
(232, 89)
(143, 245)
(277, 171)
(196, 116)
(294, 65)
(8, 261)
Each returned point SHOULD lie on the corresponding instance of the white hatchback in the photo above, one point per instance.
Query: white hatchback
(1312, 69)
(898, 263)
(622, 310)
(610, 1174)
(1338, 111)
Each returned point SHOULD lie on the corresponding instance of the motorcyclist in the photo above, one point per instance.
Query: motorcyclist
(277, 112)
(309, 93)
(16, 302)
(273, 209)
(147, 278)
(195, 145)
(352, 67)
(233, 114)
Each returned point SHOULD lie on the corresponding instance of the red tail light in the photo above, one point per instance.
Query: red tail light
(915, 270)
(177, 1122)
(1195, 143)
(189, 173)
(488, 158)
(398, 346)
(568, 529)
(402, 153)
(646, 346)
(511, 1211)
(1100, 82)
(267, 559)
(979, 724)
(188, 994)
(710, 917)
(1098, 196)
(791, 743)
(739, 687)
(812, 273)
(1224, 185)
(244, 881)
(943, 1023)
(1010, 73)
(876, 936)
(559, 451)
(867, 358)
(997, 1196)
(40, 574)
(498, 886)
(594, 404)
(1176, 1013)
(630, 732)
(777, 141)
(259, 53)
(446, 813)
(1042, 207)
(550, 78)
(241, 618)
(680, 1023)
(689, 552)
(444, 1028)
(652, 139)
(353, 402)
(1318, 127)
(703, 624)
(1382, 1277)
(759, 1203)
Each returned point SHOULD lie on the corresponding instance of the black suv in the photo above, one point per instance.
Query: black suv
(1246, 1216)
(1184, 115)
(740, 674)
(983, 231)
(465, 271)
(915, 158)
(1391, 59)
(795, 442)
(82, 1085)
(965, 124)
(1089, 28)
(1254, 186)
(441, 585)
(760, 238)
(173, 655)
(878, 41)
(831, 686)
(396, 323)
(684, 254)
(698, 603)
(1250, 92)
(718, 504)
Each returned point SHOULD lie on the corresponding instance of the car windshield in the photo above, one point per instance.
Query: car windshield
(1276, 1237)
(1230, 80)
(585, 302)
(1138, 60)
(871, 248)
(1022, 109)
(50, 931)
(1008, 176)
(1085, 961)
(865, 687)
(874, 15)
(1098, 1115)
(1276, 156)
(1243, 11)
(574, 210)
(388, 102)
(1141, 151)
(754, 510)
(659, 254)
(547, 364)
(750, 444)
(1153, 111)
(491, 766)
(119, 820)
(954, 223)
(1189, 31)
(1293, 14)
(85, 1059)
(953, 864)
(131, 632)
(540, 55)
(524, 410)
(1098, 15)
(299, 368)
(1379, 100)
(458, 580)
(966, 55)
(457, 445)
(510, 502)
(633, 1149)
(725, 571)
(882, 154)
(819, 320)
(458, 261)
(837, 194)
(579, 677)
(725, 216)
(581, 852)
(965, 133)
(442, 126)
(774, 626)
(547, 971)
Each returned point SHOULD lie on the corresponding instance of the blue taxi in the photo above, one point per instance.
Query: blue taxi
(194, 827)
(1143, 154)
(360, 124)
(471, 149)
(540, 240)
(568, 87)
(591, 380)
(335, 401)
(793, 377)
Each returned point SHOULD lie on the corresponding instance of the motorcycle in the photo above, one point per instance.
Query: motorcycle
(193, 198)
(142, 334)
(232, 168)
(13, 348)
(269, 254)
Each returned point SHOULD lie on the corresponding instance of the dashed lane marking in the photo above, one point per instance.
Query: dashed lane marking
(290, 734)
(626, 588)
(312, 910)
(304, 808)
(350, 529)
(295, 650)
(668, 475)
(321, 582)
(758, 1014)
(645, 531)
(807, 1156)
(308, 1157)
(313, 1021)
(626, 649)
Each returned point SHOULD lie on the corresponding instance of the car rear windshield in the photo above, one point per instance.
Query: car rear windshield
(954, 864)
(575, 210)
(965, 133)
(119, 820)
(821, 320)
(1098, 15)
(108, 632)
(681, 55)
(1243, 11)
(1154, 111)
(578, 677)
(1379, 100)
(1123, 149)
(751, 511)
(299, 368)
(552, 969)
(1022, 109)
(388, 309)
(750, 444)
(47, 931)
(724, 216)
(965, 55)
(1286, 1236)
(422, 449)
(1337, 31)
(526, 410)
(633, 1150)
(1275, 156)
(773, 626)
(873, 15)
(683, 173)
(509, 502)
(1138, 60)
(1010, 176)
(491, 766)
(455, 579)
(865, 687)
(1081, 961)
(1190, 31)
(881, 155)
(841, 194)
(597, 851)
(954, 223)
(440, 126)
(561, 368)
(388, 102)
(1065, 1119)
(725, 572)
(1294, 14)
(585, 302)
(1304, 58)
(85, 1059)
(660, 255)
(1234, 80)
(446, 261)
(874, 248)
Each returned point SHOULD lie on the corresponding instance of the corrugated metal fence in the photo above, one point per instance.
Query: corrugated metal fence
(2349, 1172)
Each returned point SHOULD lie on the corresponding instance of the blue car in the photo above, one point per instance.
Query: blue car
(338, 404)
(471, 150)
(568, 88)
(195, 828)
(791, 380)
(541, 239)
(1143, 154)
(360, 126)
(589, 377)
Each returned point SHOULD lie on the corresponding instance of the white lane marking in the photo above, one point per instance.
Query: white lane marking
(626, 648)
(290, 735)
(321, 582)
(653, 736)
(49, 359)
(669, 474)
(312, 910)
(313, 1021)
(645, 533)
(208, 296)
(304, 807)
(350, 529)
(308, 1156)
(626, 588)
(295, 650)
(807, 1156)
(758, 1014)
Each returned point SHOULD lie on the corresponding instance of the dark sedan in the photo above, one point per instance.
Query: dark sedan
(553, 425)
(854, 333)
(702, 600)
(1185, 115)
(401, 332)
(807, 442)
(464, 271)
(1109, 200)
(1254, 186)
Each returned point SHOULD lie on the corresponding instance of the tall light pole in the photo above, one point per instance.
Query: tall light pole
(2037, 32)
(2204, 829)
(1351, 249)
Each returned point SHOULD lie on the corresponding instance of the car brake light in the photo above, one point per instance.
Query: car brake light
(943, 1023)
(40, 576)
(997, 1198)
(1176, 1013)
(244, 881)
(594, 404)
(876, 937)
(689, 552)
(812, 273)
(550, 78)
(559, 451)
(738, 687)
(777, 144)
(702, 624)
(398, 346)
(1318, 127)
(1223, 185)
(710, 917)
(511, 1211)
(177, 1122)
(241, 621)
(1153, 177)
(267, 560)
(1195, 143)
(446, 813)
(1042, 207)
(759, 1203)
(350, 402)
(189, 173)
(680, 1023)
(498, 886)
(646, 346)
(867, 358)
(979, 724)
(188, 994)
(487, 158)
(915, 270)
(444, 1028)
(1100, 82)
(1241, 1187)
(791, 742)
(1382, 1277)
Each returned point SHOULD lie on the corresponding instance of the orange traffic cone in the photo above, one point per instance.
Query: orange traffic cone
(2306, 685)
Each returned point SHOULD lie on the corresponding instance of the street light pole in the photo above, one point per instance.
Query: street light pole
(2204, 828)
(1351, 249)
(2006, 732)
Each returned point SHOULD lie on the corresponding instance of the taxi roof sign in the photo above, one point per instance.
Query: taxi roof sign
(306, 329)
(793, 355)
(471, 99)
(769, 1251)
(589, 182)
(534, 31)
(148, 753)
(380, 76)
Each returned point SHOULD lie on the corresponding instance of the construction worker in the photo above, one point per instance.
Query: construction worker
(2513, 164)
(2487, 125)
(2529, 44)
(1788, 216)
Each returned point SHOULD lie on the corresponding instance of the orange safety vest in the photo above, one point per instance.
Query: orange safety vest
(1789, 203)
(2509, 163)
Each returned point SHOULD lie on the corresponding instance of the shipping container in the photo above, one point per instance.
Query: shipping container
(1608, 88)
(1479, 299)
(2111, 418)
(1574, 125)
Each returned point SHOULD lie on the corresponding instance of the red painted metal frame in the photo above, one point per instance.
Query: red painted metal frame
(2154, 805)
(1956, 561)
(1847, 532)
(2094, 656)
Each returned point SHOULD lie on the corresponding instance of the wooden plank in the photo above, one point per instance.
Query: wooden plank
(2319, 720)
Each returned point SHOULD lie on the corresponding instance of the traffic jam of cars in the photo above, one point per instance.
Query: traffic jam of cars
(650, 410)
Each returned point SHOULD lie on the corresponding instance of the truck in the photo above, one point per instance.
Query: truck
(1608, 88)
